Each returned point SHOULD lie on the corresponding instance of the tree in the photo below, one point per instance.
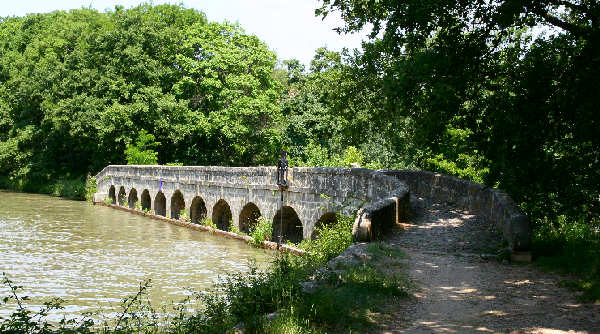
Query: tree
(141, 153)
(486, 97)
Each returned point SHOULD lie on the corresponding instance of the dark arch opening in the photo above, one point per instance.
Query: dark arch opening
(249, 217)
(291, 228)
(160, 204)
(177, 204)
(122, 195)
(111, 195)
(221, 215)
(327, 219)
(146, 200)
(133, 198)
(197, 210)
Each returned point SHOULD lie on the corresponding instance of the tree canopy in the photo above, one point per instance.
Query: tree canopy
(77, 87)
(504, 92)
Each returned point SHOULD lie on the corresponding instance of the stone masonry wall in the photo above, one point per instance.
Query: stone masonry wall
(313, 192)
(494, 204)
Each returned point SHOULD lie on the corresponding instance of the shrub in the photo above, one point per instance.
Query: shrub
(233, 228)
(209, 223)
(262, 231)
(331, 241)
(184, 216)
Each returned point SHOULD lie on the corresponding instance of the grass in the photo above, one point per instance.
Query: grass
(208, 222)
(573, 248)
(381, 251)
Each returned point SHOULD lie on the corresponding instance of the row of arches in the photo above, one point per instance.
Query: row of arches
(285, 222)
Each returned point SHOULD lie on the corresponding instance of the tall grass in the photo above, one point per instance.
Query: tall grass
(571, 247)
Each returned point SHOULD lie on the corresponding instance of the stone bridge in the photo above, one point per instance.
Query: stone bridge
(239, 196)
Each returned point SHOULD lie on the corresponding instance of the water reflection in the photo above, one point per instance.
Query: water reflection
(93, 256)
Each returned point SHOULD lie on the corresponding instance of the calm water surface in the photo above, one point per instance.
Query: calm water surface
(93, 256)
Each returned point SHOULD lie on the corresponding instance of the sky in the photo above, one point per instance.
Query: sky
(288, 27)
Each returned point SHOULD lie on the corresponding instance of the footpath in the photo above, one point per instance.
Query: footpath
(457, 288)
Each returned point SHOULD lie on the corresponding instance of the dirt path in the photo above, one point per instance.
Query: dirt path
(459, 291)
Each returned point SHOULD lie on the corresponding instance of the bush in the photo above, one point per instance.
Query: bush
(571, 247)
(331, 241)
(209, 223)
(184, 216)
(141, 152)
(262, 231)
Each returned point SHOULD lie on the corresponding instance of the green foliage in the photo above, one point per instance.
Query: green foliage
(380, 251)
(184, 216)
(331, 241)
(233, 228)
(571, 247)
(73, 189)
(83, 89)
(261, 231)
(90, 187)
(141, 153)
(472, 90)
(208, 223)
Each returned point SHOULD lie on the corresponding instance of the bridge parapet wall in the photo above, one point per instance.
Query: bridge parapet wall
(312, 193)
(494, 204)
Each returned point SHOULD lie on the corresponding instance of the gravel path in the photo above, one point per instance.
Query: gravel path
(459, 291)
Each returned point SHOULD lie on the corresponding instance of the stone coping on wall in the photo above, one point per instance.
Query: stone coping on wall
(493, 204)
(385, 199)
(265, 177)
(226, 234)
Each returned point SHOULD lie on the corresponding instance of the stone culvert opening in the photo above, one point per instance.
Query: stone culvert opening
(291, 227)
(197, 210)
(177, 204)
(249, 217)
(122, 196)
(222, 215)
(111, 195)
(160, 204)
(132, 199)
(146, 200)
(327, 219)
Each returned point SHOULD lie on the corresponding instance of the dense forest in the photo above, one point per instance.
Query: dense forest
(505, 93)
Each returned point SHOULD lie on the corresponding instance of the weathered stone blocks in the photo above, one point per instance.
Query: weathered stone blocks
(493, 204)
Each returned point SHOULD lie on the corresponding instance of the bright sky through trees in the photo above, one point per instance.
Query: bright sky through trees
(289, 27)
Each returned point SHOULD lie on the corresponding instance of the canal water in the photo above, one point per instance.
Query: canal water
(94, 256)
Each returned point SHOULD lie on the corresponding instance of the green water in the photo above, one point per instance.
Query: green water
(93, 256)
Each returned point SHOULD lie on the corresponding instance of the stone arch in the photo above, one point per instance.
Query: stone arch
(177, 204)
(111, 194)
(221, 215)
(327, 219)
(249, 217)
(132, 199)
(122, 195)
(146, 200)
(160, 204)
(197, 210)
(291, 225)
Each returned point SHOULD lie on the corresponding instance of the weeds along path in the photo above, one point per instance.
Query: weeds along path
(457, 290)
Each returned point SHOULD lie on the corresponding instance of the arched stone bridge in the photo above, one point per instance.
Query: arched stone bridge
(238, 196)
